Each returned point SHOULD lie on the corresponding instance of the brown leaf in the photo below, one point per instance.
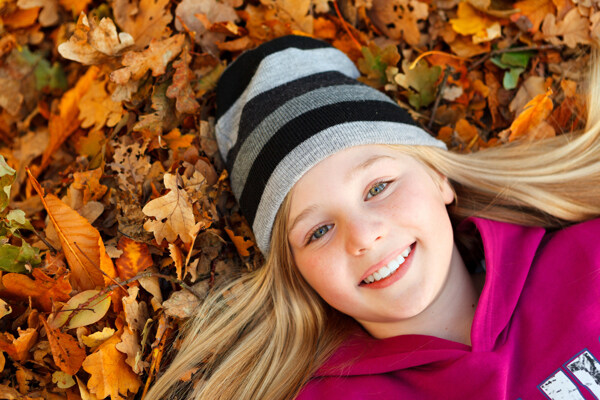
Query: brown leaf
(155, 58)
(97, 109)
(18, 349)
(130, 345)
(574, 29)
(109, 373)
(49, 13)
(136, 313)
(173, 212)
(534, 11)
(81, 242)
(94, 43)
(398, 19)
(135, 258)
(181, 89)
(144, 20)
(89, 183)
(67, 354)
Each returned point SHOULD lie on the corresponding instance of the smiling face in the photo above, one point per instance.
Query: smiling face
(369, 231)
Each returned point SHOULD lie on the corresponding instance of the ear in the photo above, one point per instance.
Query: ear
(446, 190)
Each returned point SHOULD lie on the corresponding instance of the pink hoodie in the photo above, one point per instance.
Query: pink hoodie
(535, 334)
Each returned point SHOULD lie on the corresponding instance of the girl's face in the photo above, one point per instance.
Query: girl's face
(369, 231)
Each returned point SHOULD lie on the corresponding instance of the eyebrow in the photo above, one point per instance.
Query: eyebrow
(365, 164)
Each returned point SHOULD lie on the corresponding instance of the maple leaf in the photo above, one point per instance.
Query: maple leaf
(81, 242)
(420, 82)
(63, 124)
(535, 112)
(97, 108)
(399, 19)
(134, 259)
(67, 354)
(95, 43)
(155, 58)
(181, 88)
(375, 63)
(145, 20)
(109, 373)
(173, 212)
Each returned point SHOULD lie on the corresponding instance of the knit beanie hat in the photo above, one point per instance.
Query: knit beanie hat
(288, 104)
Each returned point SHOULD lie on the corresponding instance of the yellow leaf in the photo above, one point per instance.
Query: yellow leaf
(97, 109)
(94, 310)
(173, 212)
(81, 242)
(471, 22)
(535, 112)
(97, 338)
(176, 141)
(109, 373)
(144, 20)
(242, 245)
(62, 379)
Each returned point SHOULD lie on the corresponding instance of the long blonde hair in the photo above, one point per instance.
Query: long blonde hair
(265, 334)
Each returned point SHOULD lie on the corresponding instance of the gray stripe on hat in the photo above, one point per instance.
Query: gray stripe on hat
(317, 148)
(277, 68)
(287, 112)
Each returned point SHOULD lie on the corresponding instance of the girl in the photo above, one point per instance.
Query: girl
(394, 268)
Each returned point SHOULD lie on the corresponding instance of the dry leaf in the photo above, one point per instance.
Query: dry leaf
(109, 373)
(398, 19)
(535, 112)
(155, 58)
(574, 29)
(94, 43)
(43, 290)
(134, 259)
(18, 349)
(181, 88)
(136, 313)
(97, 109)
(471, 22)
(85, 308)
(67, 354)
(534, 11)
(97, 338)
(81, 242)
(131, 347)
(242, 245)
(173, 212)
(144, 20)
(49, 13)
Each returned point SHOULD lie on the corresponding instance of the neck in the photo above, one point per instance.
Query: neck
(450, 315)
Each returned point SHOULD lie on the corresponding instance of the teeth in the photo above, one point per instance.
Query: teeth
(389, 269)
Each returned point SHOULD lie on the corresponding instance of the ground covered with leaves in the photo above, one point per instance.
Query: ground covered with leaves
(116, 217)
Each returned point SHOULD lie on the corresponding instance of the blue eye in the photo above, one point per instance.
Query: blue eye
(319, 233)
(376, 189)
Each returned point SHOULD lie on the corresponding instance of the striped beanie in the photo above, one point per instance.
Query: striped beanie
(285, 106)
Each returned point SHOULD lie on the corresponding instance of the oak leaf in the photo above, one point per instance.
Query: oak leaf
(63, 124)
(181, 88)
(67, 354)
(97, 108)
(131, 164)
(534, 113)
(134, 259)
(145, 20)
(173, 212)
(209, 11)
(164, 116)
(81, 242)
(136, 313)
(130, 346)
(94, 43)
(399, 19)
(155, 58)
(109, 373)
(574, 29)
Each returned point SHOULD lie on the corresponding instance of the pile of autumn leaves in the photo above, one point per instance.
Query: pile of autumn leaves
(116, 217)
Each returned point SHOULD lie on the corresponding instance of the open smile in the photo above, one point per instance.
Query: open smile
(390, 272)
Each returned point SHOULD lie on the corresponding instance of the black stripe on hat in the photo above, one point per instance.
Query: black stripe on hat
(258, 108)
(236, 77)
(302, 128)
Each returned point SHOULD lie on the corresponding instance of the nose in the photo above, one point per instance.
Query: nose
(363, 232)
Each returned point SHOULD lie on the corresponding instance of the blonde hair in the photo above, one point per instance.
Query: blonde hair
(264, 335)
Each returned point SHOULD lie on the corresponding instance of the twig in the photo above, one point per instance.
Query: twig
(513, 50)
(438, 99)
(45, 242)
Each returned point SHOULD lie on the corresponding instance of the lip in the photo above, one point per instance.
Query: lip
(393, 277)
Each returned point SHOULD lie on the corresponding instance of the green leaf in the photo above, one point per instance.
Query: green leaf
(91, 312)
(511, 78)
(7, 177)
(17, 220)
(499, 63)
(517, 58)
(14, 258)
(46, 75)
(375, 61)
(420, 82)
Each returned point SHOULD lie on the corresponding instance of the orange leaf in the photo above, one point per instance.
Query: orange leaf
(534, 11)
(63, 124)
(43, 290)
(18, 349)
(89, 183)
(81, 242)
(135, 258)
(67, 354)
(110, 374)
(242, 245)
(21, 18)
(536, 111)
